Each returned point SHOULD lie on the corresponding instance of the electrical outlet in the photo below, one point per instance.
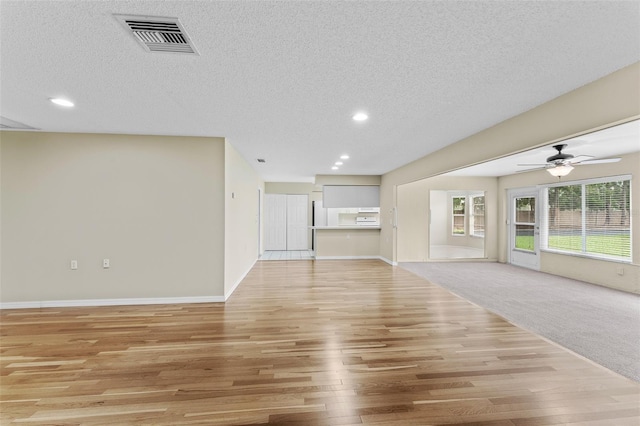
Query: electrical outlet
(74, 265)
(106, 263)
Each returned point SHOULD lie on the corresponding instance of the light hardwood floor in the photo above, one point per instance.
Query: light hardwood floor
(300, 343)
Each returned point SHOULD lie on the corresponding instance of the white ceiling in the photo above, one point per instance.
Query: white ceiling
(607, 143)
(281, 80)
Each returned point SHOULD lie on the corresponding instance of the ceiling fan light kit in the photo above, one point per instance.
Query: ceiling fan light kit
(560, 164)
(560, 171)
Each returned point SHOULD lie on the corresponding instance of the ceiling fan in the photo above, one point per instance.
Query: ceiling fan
(560, 164)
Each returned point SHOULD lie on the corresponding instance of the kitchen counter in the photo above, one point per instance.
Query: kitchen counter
(347, 242)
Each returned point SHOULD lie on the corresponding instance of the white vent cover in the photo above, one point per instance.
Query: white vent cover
(158, 34)
(5, 123)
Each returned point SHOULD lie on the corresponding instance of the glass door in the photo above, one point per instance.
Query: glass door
(524, 229)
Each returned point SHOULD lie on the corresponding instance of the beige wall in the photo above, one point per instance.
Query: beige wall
(153, 205)
(586, 269)
(413, 214)
(243, 188)
(611, 99)
(348, 180)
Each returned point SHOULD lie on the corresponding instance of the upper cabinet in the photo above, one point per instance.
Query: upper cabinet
(351, 196)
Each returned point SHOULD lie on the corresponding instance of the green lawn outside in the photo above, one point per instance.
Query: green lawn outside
(602, 244)
(524, 242)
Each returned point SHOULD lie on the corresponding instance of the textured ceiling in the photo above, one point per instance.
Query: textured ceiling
(281, 80)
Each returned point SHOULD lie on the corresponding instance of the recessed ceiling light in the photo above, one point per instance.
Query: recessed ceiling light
(334, 168)
(344, 157)
(339, 163)
(360, 116)
(62, 102)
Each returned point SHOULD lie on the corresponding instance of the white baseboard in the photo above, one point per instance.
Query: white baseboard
(230, 292)
(354, 258)
(345, 257)
(111, 302)
(390, 262)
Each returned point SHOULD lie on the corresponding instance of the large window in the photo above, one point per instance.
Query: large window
(458, 219)
(591, 218)
(477, 216)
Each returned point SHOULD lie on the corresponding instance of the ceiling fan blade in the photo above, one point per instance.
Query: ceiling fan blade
(531, 170)
(579, 159)
(600, 161)
(533, 165)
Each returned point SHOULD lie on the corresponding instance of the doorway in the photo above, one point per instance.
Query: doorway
(456, 224)
(524, 228)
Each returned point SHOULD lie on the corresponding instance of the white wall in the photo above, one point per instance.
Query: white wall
(438, 207)
(153, 205)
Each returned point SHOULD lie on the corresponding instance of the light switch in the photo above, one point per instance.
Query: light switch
(105, 263)
(74, 265)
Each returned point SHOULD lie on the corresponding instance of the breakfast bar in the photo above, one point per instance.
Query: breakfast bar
(346, 242)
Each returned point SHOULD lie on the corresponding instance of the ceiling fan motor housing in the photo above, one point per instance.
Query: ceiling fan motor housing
(559, 158)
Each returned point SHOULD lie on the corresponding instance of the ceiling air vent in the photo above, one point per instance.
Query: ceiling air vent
(158, 34)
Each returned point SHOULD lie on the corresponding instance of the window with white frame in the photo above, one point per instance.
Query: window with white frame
(591, 218)
(458, 215)
(476, 220)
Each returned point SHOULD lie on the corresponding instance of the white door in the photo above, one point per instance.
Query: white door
(275, 222)
(524, 228)
(297, 222)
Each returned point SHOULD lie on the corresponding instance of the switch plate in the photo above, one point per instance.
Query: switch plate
(106, 263)
(74, 265)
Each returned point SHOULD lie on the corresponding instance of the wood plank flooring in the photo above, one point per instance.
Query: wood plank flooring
(300, 343)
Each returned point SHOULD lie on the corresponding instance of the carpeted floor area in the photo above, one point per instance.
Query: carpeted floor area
(598, 323)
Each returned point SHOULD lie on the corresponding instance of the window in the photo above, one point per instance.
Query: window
(591, 218)
(525, 223)
(458, 215)
(476, 224)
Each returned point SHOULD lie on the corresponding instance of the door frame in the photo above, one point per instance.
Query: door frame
(517, 257)
(259, 222)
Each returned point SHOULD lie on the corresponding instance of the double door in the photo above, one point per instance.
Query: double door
(286, 222)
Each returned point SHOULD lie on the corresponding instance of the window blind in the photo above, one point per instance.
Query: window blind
(590, 218)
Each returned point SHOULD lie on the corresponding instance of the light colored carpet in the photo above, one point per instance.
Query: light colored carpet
(598, 323)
